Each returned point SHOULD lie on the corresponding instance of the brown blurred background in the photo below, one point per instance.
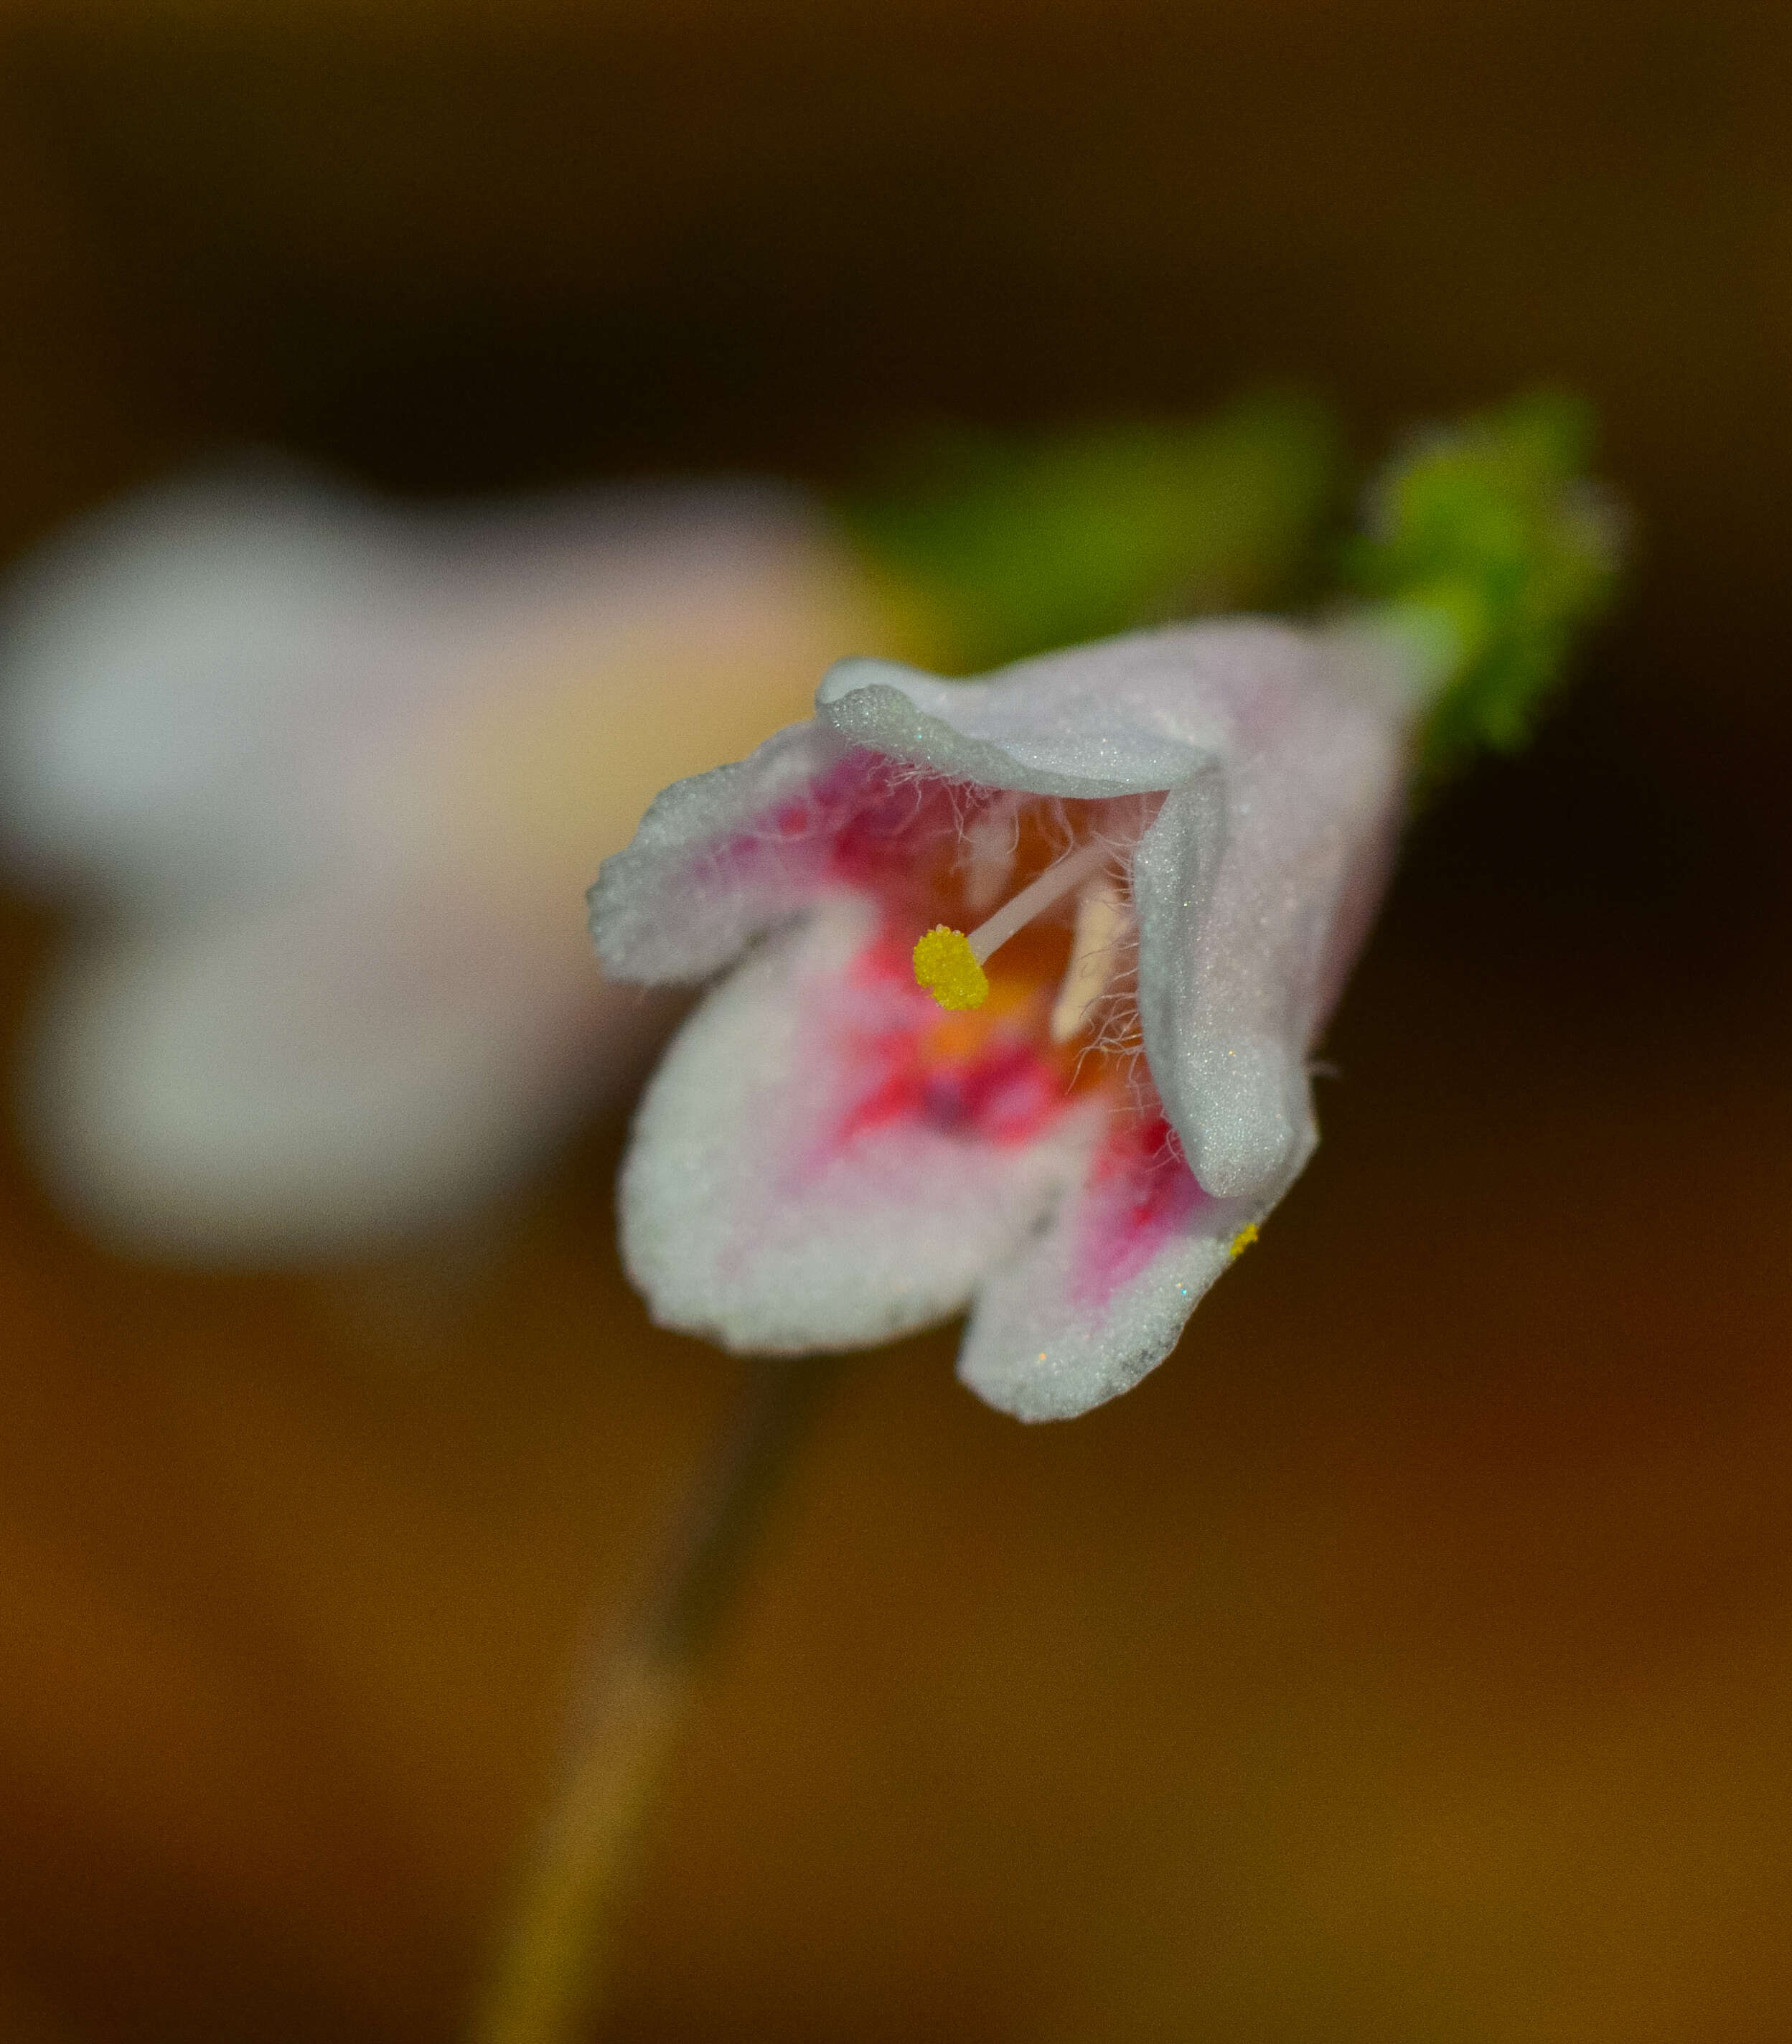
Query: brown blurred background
(1409, 1660)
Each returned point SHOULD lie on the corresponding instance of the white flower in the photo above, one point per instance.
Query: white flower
(1190, 830)
(328, 779)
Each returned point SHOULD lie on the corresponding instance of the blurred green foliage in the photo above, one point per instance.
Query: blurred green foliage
(1487, 536)
(1494, 525)
(1016, 544)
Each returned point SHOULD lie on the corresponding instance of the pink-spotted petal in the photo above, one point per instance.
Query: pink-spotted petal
(809, 1173)
(1100, 1297)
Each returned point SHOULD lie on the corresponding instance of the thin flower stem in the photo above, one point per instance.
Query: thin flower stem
(549, 1980)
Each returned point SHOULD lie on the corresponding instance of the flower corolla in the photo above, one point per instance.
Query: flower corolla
(1026, 973)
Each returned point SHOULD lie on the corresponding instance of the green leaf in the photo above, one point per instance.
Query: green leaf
(1015, 545)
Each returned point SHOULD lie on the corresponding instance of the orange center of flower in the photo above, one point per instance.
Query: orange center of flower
(1011, 910)
(1063, 917)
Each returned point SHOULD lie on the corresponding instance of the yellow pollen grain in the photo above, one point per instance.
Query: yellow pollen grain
(946, 966)
(1243, 1240)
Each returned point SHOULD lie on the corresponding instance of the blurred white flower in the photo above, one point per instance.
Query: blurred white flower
(327, 779)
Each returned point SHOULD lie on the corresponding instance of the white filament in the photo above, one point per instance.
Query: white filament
(1032, 899)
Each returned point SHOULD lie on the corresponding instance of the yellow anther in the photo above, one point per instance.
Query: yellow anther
(1243, 1240)
(947, 967)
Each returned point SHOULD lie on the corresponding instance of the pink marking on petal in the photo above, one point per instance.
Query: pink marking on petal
(1139, 1194)
(867, 823)
(1004, 1093)
(886, 1053)
(897, 1061)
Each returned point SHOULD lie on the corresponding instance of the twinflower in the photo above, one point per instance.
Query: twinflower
(1135, 874)
(1027, 970)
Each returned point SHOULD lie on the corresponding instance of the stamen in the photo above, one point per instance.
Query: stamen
(949, 964)
(1095, 950)
(947, 967)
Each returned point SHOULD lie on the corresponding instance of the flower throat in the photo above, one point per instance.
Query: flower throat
(950, 962)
